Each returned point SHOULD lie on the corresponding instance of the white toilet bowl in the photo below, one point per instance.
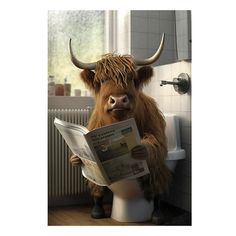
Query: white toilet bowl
(129, 204)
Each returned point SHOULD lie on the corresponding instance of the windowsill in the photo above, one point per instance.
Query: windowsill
(70, 102)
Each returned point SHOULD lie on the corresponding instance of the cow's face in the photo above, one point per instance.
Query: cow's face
(116, 83)
(117, 99)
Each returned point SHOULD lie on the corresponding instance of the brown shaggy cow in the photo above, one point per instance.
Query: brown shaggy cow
(117, 84)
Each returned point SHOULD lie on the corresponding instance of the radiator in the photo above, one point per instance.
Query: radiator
(63, 179)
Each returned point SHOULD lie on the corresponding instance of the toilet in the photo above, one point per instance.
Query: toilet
(175, 152)
(129, 204)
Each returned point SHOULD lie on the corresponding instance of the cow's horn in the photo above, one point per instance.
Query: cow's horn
(152, 59)
(79, 64)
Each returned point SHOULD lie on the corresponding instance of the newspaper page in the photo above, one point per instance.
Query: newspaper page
(74, 137)
(112, 145)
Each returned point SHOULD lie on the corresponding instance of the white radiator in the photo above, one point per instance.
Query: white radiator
(63, 179)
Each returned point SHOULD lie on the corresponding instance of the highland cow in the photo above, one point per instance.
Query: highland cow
(116, 82)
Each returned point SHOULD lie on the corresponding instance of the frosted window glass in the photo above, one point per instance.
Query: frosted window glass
(86, 28)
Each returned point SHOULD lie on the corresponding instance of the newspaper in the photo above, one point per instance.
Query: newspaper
(106, 151)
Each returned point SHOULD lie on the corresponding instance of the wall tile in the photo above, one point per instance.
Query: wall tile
(185, 100)
(167, 26)
(153, 14)
(167, 103)
(186, 135)
(140, 53)
(184, 167)
(139, 40)
(139, 24)
(149, 22)
(175, 69)
(175, 103)
(185, 118)
(188, 150)
(180, 15)
(169, 43)
(154, 40)
(167, 15)
(154, 26)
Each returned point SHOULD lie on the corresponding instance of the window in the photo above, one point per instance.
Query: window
(87, 30)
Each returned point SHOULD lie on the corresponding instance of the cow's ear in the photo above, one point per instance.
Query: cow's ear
(88, 78)
(144, 76)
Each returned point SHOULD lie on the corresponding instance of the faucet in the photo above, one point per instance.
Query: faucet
(164, 82)
(181, 83)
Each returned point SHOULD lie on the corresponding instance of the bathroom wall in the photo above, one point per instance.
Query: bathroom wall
(169, 101)
(147, 27)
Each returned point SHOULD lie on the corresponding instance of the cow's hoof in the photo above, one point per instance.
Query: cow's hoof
(98, 212)
(157, 218)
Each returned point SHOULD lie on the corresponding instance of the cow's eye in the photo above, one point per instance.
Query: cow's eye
(131, 78)
(102, 81)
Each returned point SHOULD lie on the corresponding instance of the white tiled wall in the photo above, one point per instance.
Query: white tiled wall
(146, 30)
(170, 101)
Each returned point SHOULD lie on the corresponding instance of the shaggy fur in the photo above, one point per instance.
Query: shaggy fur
(117, 68)
(117, 74)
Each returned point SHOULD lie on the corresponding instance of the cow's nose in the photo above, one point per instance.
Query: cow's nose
(118, 101)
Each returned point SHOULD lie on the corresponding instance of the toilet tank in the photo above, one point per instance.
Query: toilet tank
(175, 152)
(172, 131)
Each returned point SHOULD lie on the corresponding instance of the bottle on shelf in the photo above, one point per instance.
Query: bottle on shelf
(51, 86)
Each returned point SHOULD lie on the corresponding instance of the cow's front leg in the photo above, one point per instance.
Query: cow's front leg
(97, 192)
(98, 210)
